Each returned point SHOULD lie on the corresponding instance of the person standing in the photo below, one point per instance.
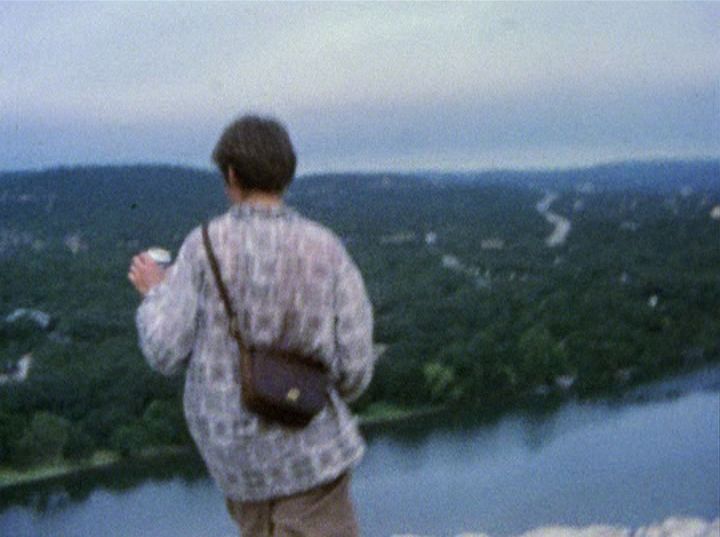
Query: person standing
(294, 287)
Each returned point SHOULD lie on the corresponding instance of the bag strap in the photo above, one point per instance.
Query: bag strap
(234, 328)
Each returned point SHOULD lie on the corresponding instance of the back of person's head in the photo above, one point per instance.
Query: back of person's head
(259, 151)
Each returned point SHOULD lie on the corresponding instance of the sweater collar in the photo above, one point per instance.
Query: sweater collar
(245, 210)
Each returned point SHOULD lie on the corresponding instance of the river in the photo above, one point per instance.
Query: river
(630, 461)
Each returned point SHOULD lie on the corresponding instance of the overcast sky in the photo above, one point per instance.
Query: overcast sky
(361, 86)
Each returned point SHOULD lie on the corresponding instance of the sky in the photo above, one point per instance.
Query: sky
(361, 86)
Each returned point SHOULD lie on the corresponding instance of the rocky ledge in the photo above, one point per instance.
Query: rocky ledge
(672, 527)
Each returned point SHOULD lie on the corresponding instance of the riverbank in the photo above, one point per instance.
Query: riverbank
(99, 462)
(14, 476)
(376, 416)
(672, 527)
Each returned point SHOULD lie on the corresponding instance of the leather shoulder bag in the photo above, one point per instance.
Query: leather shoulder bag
(278, 385)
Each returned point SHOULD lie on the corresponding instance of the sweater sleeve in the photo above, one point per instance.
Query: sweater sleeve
(353, 332)
(166, 318)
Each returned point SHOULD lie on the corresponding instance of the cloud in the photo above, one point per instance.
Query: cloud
(359, 82)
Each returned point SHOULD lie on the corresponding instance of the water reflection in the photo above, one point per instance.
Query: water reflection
(586, 464)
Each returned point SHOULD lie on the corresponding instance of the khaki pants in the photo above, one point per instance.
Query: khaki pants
(325, 511)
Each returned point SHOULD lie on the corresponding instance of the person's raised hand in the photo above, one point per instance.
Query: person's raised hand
(145, 273)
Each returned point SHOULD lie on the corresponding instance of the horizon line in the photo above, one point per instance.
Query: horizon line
(390, 171)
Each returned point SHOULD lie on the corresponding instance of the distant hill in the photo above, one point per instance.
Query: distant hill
(653, 176)
(160, 204)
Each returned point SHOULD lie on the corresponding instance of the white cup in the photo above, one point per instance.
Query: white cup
(160, 255)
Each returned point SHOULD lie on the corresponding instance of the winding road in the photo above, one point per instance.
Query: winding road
(562, 224)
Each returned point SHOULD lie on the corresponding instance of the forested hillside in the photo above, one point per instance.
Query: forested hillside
(489, 289)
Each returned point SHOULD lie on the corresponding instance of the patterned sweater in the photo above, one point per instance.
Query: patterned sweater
(293, 285)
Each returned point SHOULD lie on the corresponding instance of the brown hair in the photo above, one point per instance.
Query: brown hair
(260, 153)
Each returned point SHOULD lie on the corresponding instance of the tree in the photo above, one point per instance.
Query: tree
(11, 431)
(542, 357)
(164, 423)
(44, 440)
(129, 440)
(80, 445)
(441, 382)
